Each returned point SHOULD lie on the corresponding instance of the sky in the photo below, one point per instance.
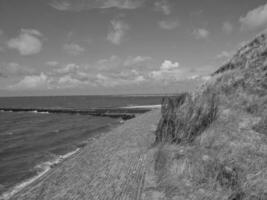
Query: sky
(98, 47)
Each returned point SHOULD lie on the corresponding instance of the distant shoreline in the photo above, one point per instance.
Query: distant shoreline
(100, 95)
(124, 113)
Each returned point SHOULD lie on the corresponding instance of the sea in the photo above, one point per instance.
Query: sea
(31, 143)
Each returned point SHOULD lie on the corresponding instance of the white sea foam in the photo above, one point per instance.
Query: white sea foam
(34, 111)
(44, 168)
(143, 106)
(44, 112)
(38, 112)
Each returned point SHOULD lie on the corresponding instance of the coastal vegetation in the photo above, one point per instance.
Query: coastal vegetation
(211, 144)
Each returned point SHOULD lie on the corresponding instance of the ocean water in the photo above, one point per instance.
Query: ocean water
(31, 143)
(78, 102)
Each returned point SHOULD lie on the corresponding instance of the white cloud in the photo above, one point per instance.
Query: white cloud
(201, 33)
(168, 24)
(105, 81)
(227, 27)
(118, 31)
(27, 43)
(69, 68)
(163, 6)
(166, 75)
(199, 77)
(122, 4)
(15, 69)
(108, 73)
(73, 49)
(168, 65)
(68, 81)
(133, 61)
(53, 80)
(117, 64)
(108, 63)
(71, 5)
(62, 5)
(121, 79)
(32, 82)
(169, 71)
(133, 70)
(255, 19)
(52, 63)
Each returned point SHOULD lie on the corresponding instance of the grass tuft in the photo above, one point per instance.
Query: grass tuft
(185, 117)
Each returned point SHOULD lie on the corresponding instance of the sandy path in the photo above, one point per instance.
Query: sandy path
(111, 167)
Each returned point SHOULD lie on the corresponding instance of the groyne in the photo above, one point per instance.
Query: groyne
(123, 113)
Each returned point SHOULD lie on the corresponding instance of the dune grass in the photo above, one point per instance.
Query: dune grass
(228, 160)
(185, 117)
(212, 144)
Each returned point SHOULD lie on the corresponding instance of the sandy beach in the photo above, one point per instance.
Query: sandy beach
(111, 167)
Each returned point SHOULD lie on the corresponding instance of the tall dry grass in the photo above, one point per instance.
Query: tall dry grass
(185, 117)
(212, 144)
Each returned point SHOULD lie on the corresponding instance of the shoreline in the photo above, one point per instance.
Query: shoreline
(45, 167)
(89, 150)
(124, 113)
(48, 167)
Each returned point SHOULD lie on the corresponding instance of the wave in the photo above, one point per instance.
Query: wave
(34, 111)
(44, 168)
(38, 112)
(99, 112)
(6, 111)
(142, 106)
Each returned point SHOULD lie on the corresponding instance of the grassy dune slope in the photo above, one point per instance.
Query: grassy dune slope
(212, 144)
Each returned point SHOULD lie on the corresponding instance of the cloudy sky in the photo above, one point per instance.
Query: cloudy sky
(59, 47)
